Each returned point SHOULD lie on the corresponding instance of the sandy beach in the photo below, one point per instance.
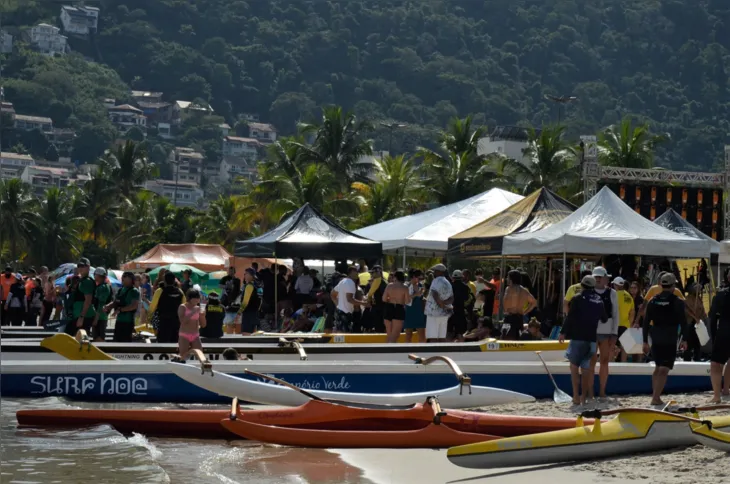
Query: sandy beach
(696, 464)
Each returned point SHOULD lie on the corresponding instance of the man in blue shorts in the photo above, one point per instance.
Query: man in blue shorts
(580, 326)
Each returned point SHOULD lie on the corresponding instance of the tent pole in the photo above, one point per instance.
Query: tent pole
(276, 291)
(404, 258)
(562, 284)
(502, 276)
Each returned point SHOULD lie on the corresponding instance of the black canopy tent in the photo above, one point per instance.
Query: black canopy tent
(309, 235)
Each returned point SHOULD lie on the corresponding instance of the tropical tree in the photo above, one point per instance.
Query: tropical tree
(18, 214)
(219, 225)
(99, 204)
(628, 145)
(129, 167)
(394, 193)
(138, 220)
(58, 228)
(548, 161)
(456, 170)
(339, 143)
(282, 193)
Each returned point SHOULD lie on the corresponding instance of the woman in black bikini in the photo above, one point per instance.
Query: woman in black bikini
(396, 297)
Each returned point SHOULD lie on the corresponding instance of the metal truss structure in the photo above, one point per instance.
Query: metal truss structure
(594, 173)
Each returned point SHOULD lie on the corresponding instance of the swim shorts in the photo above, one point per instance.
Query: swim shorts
(579, 353)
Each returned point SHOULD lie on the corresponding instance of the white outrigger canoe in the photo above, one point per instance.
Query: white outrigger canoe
(459, 396)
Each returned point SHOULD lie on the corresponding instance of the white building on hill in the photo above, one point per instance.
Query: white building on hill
(48, 39)
(79, 20)
(506, 140)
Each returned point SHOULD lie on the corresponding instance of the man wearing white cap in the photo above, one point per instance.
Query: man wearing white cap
(438, 305)
(607, 331)
(626, 310)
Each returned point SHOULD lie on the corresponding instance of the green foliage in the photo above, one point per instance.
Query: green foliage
(550, 161)
(628, 146)
(455, 171)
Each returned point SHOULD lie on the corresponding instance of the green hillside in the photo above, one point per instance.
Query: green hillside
(422, 62)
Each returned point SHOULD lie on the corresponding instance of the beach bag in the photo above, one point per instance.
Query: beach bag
(318, 326)
(632, 341)
(702, 334)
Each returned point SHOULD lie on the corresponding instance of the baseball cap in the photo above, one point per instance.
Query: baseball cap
(376, 268)
(188, 271)
(457, 274)
(250, 271)
(667, 280)
(600, 272)
(100, 271)
(439, 268)
(83, 262)
(8, 269)
(589, 282)
(619, 281)
(19, 276)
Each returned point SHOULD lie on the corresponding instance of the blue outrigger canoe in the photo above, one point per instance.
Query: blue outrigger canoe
(140, 381)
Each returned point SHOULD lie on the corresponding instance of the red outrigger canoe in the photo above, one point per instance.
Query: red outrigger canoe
(315, 424)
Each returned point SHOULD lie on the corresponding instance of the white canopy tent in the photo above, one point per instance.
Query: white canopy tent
(427, 233)
(605, 225)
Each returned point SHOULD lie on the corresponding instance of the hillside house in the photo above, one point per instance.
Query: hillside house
(79, 20)
(48, 39)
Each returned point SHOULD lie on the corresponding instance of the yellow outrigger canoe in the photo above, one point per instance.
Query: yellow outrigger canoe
(632, 431)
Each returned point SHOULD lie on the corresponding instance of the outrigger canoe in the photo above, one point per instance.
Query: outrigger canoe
(463, 395)
(62, 346)
(632, 431)
(324, 424)
(317, 423)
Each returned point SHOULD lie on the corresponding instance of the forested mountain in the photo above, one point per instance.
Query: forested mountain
(424, 61)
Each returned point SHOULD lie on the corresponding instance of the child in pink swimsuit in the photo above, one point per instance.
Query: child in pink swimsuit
(191, 320)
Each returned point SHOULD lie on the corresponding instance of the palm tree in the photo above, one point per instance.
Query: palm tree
(18, 214)
(100, 206)
(58, 227)
(218, 225)
(282, 194)
(138, 220)
(628, 146)
(394, 193)
(548, 161)
(129, 167)
(456, 170)
(338, 143)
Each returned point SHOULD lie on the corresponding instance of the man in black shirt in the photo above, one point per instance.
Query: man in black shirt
(664, 319)
(463, 298)
(581, 327)
(720, 334)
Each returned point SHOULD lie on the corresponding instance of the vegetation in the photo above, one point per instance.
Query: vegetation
(418, 62)
(344, 79)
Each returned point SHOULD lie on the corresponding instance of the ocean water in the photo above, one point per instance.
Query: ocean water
(102, 455)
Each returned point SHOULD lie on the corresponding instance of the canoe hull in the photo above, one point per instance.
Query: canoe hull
(63, 346)
(151, 382)
(429, 437)
(198, 424)
(627, 434)
(265, 393)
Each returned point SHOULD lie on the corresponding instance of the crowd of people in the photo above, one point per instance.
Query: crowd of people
(667, 317)
(435, 305)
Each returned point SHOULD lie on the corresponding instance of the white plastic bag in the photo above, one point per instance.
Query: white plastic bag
(632, 341)
(702, 334)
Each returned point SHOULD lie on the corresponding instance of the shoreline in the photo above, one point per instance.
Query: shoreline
(416, 466)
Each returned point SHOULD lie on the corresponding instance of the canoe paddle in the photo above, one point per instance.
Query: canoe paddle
(559, 396)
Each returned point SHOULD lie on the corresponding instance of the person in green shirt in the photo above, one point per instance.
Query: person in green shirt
(83, 307)
(102, 297)
(126, 304)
